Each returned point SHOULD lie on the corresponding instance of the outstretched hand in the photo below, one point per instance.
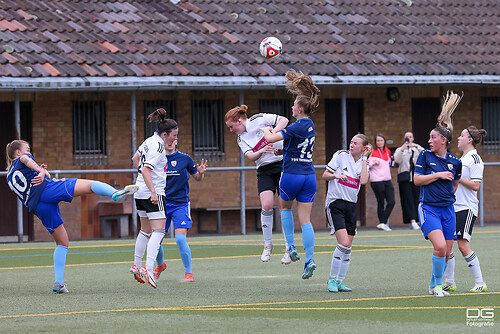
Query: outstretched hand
(202, 166)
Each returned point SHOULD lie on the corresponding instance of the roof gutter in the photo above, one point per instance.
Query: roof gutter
(20, 84)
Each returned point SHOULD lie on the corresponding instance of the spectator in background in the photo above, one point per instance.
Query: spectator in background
(380, 180)
(406, 157)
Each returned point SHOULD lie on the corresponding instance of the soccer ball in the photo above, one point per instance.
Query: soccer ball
(270, 47)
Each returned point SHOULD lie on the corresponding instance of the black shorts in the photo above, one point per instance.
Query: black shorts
(268, 177)
(341, 214)
(465, 223)
(146, 209)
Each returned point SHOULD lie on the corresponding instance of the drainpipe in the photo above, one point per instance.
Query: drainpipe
(133, 118)
(17, 112)
(243, 218)
(343, 108)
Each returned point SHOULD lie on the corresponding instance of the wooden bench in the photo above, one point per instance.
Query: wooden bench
(111, 212)
(218, 210)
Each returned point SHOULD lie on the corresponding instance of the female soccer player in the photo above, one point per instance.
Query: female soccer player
(41, 194)
(254, 146)
(150, 198)
(466, 207)
(178, 206)
(438, 172)
(345, 173)
(298, 180)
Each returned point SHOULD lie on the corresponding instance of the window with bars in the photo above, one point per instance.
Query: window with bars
(490, 107)
(208, 129)
(89, 132)
(152, 105)
(275, 106)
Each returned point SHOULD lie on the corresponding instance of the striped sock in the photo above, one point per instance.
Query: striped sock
(474, 266)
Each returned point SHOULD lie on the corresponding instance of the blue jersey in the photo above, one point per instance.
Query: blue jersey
(298, 141)
(439, 192)
(19, 180)
(179, 166)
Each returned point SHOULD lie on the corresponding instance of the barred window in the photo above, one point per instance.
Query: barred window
(208, 129)
(275, 106)
(490, 107)
(152, 105)
(89, 132)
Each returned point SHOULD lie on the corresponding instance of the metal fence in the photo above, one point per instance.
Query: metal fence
(241, 169)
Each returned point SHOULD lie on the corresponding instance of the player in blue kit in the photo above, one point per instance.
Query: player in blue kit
(298, 180)
(177, 204)
(41, 194)
(437, 173)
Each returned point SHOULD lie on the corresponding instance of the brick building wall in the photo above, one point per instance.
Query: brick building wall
(53, 143)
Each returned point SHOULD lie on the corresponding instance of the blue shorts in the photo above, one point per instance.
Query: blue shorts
(298, 186)
(179, 214)
(48, 206)
(438, 218)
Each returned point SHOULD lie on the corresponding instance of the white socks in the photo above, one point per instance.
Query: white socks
(140, 247)
(449, 272)
(472, 263)
(475, 268)
(340, 262)
(266, 220)
(153, 246)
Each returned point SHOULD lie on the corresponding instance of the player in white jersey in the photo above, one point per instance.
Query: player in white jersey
(151, 162)
(255, 147)
(466, 207)
(345, 173)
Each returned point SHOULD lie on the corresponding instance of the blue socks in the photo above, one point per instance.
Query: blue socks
(287, 225)
(308, 240)
(184, 251)
(60, 262)
(159, 257)
(438, 266)
(101, 188)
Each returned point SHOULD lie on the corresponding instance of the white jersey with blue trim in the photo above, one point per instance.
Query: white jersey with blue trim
(152, 155)
(472, 169)
(343, 163)
(253, 139)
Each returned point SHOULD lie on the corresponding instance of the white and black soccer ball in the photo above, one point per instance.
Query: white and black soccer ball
(270, 47)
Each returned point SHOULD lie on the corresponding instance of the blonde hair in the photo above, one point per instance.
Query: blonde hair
(236, 113)
(10, 151)
(364, 138)
(444, 124)
(302, 86)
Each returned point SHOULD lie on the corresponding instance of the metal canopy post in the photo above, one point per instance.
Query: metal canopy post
(343, 108)
(243, 218)
(17, 112)
(133, 118)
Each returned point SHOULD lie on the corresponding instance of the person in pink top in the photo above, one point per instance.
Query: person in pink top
(380, 180)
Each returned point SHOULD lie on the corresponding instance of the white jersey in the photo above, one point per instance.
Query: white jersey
(253, 139)
(343, 163)
(472, 169)
(152, 155)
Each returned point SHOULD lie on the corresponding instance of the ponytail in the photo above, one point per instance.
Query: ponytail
(302, 86)
(236, 113)
(164, 124)
(476, 134)
(444, 124)
(10, 151)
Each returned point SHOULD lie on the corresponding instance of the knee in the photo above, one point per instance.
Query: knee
(440, 250)
(266, 206)
(464, 248)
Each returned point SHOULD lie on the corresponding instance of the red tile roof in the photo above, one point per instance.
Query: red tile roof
(221, 37)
